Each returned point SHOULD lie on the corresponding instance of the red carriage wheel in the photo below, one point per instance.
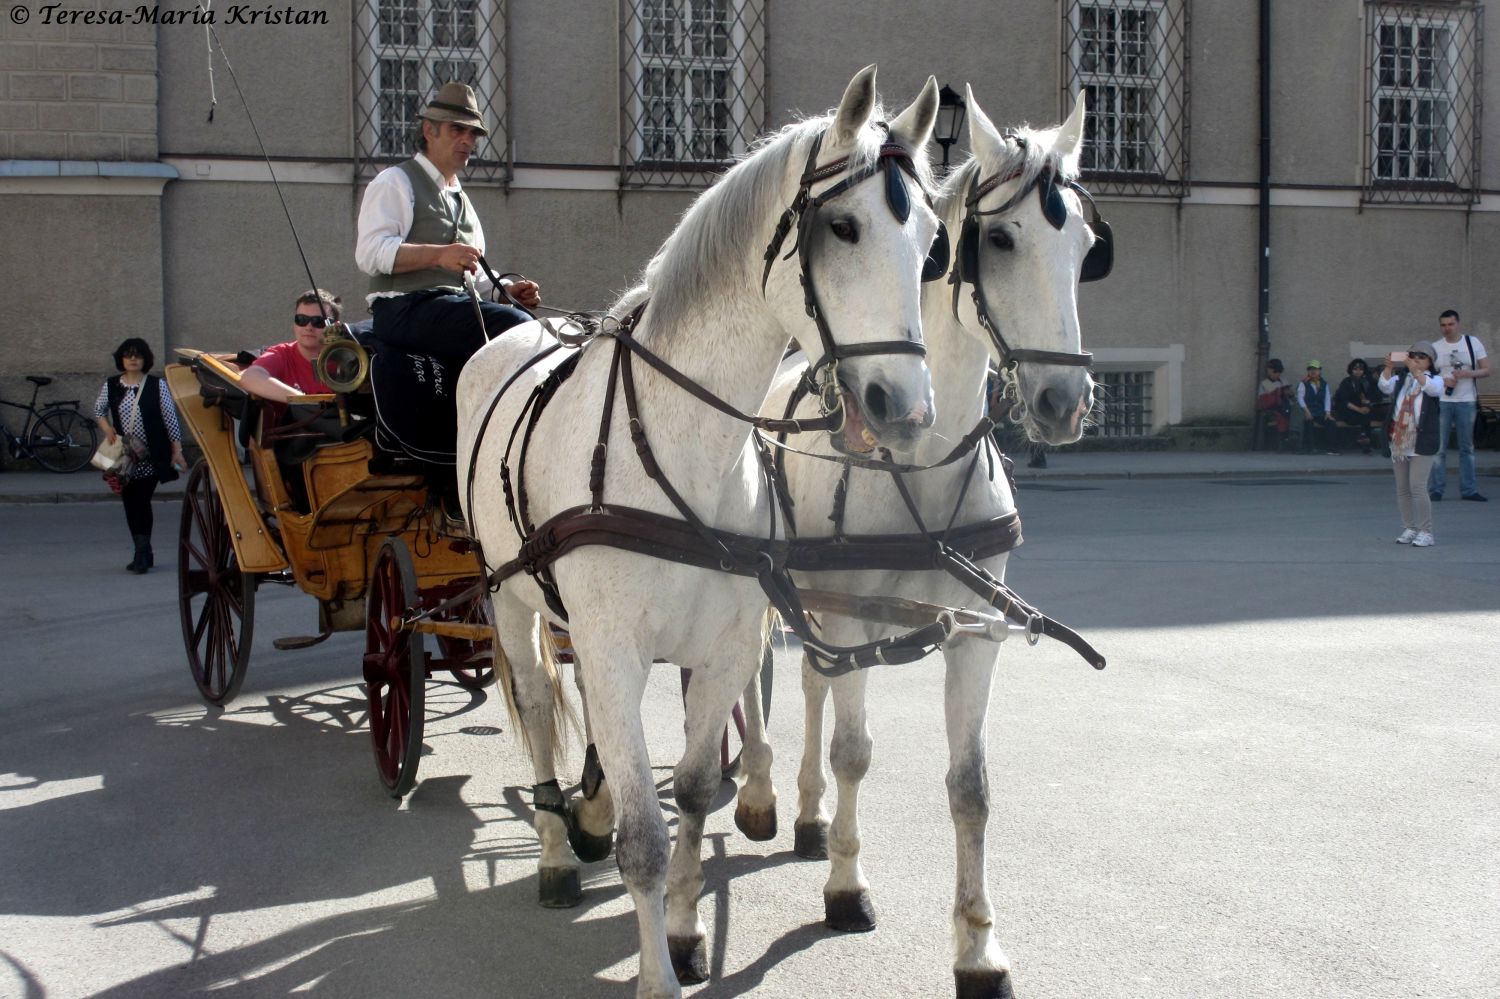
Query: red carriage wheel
(395, 670)
(476, 675)
(216, 599)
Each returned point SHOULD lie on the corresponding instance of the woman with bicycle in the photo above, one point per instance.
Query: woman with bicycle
(138, 407)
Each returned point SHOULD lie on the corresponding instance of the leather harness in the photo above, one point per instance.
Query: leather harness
(768, 559)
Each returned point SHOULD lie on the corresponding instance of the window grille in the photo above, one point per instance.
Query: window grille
(1423, 102)
(1122, 406)
(404, 51)
(1130, 59)
(693, 86)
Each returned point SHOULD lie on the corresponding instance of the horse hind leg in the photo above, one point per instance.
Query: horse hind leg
(846, 895)
(980, 968)
(810, 831)
(533, 696)
(755, 809)
(592, 817)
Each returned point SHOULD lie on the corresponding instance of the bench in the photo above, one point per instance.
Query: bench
(1489, 412)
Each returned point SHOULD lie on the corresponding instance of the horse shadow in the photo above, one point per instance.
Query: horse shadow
(197, 818)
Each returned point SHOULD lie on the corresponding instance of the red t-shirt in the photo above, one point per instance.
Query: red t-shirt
(285, 363)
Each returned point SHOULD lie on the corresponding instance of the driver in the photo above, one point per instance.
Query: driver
(419, 235)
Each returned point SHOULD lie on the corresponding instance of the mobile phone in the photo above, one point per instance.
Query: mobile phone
(1398, 356)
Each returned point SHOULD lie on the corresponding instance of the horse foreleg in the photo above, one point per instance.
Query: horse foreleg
(810, 831)
(755, 810)
(710, 698)
(846, 896)
(531, 691)
(980, 968)
(615, 685)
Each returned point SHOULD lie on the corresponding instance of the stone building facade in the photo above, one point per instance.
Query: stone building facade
(126, 208)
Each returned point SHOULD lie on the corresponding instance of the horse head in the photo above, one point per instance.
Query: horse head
(863, 228)
(1025, 243)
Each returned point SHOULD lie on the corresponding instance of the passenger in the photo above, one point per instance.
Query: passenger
(419, 235)
(1273, 398)
(287, 369)
(1316, 400)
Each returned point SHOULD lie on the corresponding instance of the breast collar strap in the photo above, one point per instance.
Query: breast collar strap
(1009, 356)
(802, 214)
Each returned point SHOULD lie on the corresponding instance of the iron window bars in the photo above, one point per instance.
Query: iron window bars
(1423, 68)
(1124, 404)
(692, 86)
(1130, 59)
(404, 50)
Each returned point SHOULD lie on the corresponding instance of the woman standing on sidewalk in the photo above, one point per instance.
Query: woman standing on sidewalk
(1414, 441)
(136, 405)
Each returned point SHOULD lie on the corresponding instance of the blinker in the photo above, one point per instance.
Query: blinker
(1054, 208)
(936, 264)
(895, 191)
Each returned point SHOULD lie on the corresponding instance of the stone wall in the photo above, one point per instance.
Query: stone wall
(77, 91)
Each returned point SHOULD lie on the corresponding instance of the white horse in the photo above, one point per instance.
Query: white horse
(715, 317)
(1026, 267)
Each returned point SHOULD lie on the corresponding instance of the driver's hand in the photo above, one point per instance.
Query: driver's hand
(525, 291)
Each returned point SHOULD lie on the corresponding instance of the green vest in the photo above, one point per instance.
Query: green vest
(432, 222)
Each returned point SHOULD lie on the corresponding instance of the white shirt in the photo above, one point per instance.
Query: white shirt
(1450, 356)
(385, 217)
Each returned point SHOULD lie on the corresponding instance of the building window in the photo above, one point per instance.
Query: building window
(693, 86)
(1129, 58)
(1423, 102)
(405, 50)
(1122, 406)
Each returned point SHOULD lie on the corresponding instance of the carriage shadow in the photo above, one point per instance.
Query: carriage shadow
(200, 823)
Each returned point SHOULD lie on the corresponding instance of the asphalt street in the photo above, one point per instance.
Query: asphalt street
(1283, 785)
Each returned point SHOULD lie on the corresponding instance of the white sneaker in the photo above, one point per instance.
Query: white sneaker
(1424, 540)
(1407, 537)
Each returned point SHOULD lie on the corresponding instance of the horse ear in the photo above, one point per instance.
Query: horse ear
(854, 110)
(984, 138)
(913, 127)
(1070, 137)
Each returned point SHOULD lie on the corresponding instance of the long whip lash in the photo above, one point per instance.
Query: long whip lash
(215, 40)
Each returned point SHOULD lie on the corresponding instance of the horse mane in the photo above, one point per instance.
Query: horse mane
(718, 243)
(1024, 148)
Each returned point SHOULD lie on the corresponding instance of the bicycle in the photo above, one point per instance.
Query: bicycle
(58, 437)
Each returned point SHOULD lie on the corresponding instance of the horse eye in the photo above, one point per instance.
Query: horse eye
(1000, 239)
(845, 229)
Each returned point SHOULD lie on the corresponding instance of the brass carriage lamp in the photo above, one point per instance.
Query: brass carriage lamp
(950, 118)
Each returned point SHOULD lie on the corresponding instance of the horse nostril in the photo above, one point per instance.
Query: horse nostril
(877, 404)
(1051, 406)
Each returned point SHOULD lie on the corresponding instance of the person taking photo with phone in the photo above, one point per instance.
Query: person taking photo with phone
(1411, 381)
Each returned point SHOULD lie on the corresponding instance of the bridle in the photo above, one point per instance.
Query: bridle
(891, 162)
(1097, 263)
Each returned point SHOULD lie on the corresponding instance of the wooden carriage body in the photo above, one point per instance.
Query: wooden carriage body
(321, 508)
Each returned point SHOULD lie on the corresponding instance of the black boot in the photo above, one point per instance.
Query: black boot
(142, 560)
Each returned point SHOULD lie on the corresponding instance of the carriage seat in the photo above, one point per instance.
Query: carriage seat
(294, 436)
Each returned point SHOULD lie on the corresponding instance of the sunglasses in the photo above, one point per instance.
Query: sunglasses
(317, 321)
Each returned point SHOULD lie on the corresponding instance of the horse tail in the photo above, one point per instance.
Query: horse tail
(563, 715)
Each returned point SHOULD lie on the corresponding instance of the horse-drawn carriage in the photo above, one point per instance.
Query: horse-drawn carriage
(356, 527)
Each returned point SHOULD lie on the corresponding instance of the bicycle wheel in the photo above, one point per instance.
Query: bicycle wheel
(61, 440)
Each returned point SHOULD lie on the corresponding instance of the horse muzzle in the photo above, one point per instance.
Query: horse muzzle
(881, 412)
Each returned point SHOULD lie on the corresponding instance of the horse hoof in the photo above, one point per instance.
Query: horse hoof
(810, 840)
(558, 887)
(588, 847)
(689, 959)
(983, 984)
(848, 911)
(757, 824)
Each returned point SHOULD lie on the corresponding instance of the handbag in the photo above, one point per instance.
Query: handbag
(107, 457)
